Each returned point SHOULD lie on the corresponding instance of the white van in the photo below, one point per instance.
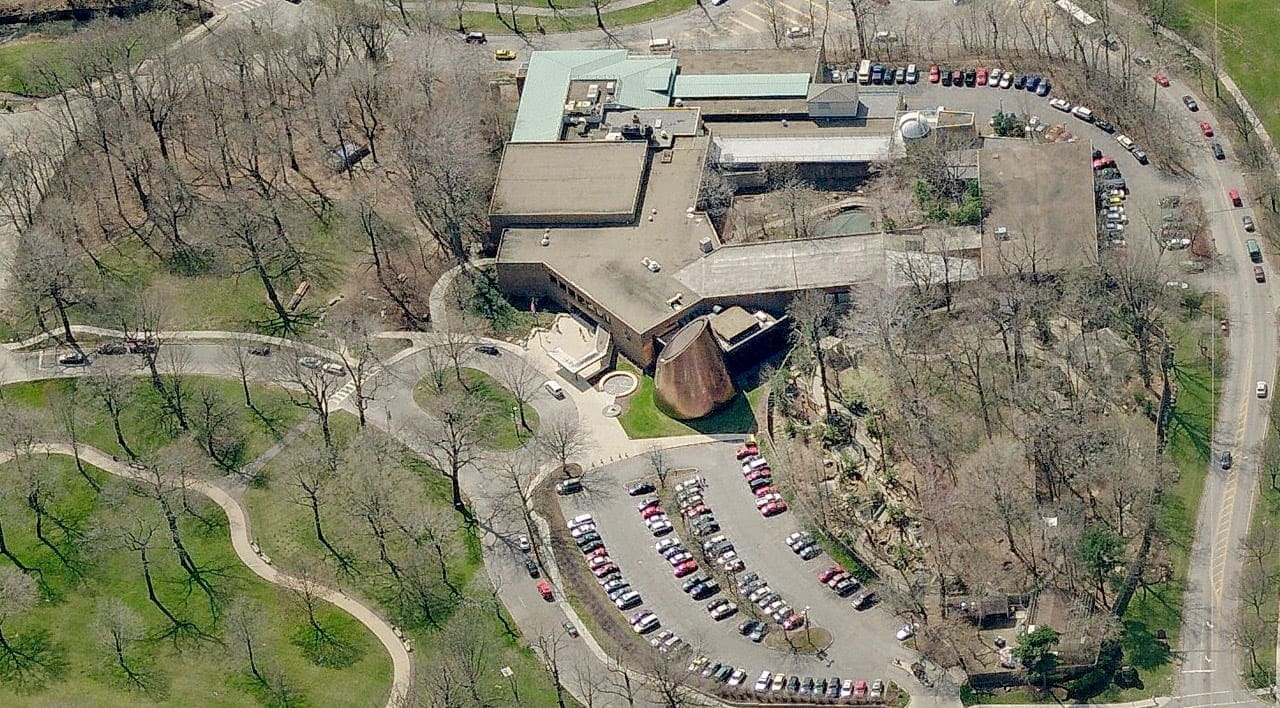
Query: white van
(660, 45)
(554, 389)
(864, 72)
(1082, 113)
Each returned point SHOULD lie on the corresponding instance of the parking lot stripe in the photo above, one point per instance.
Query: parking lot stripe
(746, 26)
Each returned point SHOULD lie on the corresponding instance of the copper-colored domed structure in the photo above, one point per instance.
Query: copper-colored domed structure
(691, 378)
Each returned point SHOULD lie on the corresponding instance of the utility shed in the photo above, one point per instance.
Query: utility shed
(833, 101)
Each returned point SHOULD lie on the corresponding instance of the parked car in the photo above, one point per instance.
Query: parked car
(554, 388)
(570, 629)
(310, 362)
(1007, 80)
(1225, 460)
(487, 350)
(544, 589)
(1261, 389)
(1160, 79)
(935, 74)
(73, 359)
(913, 75)
(1140, 156)
(262, 350)
(112, 348)
(504, 55)
(1060, 105)
(333, 368)
(1105, 126)
(1259, 274)
(970, 78)
(1032, 83)
(476, 38)
(1190, 103)
(1248, 223)
(1217, 151)
(1020, 82)
(1206, 129)
(957, 77)
(1234, 196)
(796, 32)
(1044, 88)
(635, 489)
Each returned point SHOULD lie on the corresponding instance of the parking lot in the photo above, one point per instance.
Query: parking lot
(863, 642)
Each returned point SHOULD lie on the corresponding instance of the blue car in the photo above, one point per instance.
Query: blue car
(1043, 88)
(1032, 82)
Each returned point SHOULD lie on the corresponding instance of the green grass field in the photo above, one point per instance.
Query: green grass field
(643, 419)
(285, 530)
(183, 672)
(1248, 31)
(500, 427)
(145, 424)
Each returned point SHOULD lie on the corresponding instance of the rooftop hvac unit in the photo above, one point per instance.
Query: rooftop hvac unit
(674, 302)
(1002, 233)
(651, 264)
(609, 87)
(705, 244)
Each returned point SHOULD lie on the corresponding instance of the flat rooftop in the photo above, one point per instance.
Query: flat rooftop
(588, 178)
(746, 61)
(802, 148)
(779, 266)
(1043, 194)
(605, 263)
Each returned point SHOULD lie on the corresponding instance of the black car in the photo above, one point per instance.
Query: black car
(532, 568)
(705, 590)
(747, 625)
(694, 582)
(639, 488)
(793, 684)
(1140, 156)
(877, 74)
(487, 349)
(1226, 460)
(263, 350)
(1105, 126)
(970, 78)
(73, 359)
(1033, 82)
(1217, 151)
(1190, 103)
(1044, 88)
(1020, 82)
(807, 686)
(946, 77)
(112, 348)
(833, 687)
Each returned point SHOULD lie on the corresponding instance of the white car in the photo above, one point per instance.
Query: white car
(993, 79)
(310, 362)
(582, 529)
(737, 677)
(796, 32)
(554, 388)
(846, 688)
(579, 520)
(762, 683)
(1007, 81)
(1060, 104)
(333, 368)
(886, 36)
(1262, 389)
(1125, 141)
(913, 74)
(906, 631)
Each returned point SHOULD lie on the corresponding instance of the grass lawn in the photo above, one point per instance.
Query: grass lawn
(184, 672)
(147, 427)
(1248, 32)
(643, 419)
(572, 23)
(500, 432)
(17, 60)
(469, 617)
(1160, 606)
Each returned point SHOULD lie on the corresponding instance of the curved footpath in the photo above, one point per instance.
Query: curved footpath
(242, 542)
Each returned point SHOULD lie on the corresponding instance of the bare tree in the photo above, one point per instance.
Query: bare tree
(313, 472)
(25, 658)
(311, 388)
(659, 465)
(452, 443)
(115, 392)
(562, 437)
(243, 363)
(121, 633)
(522, 381)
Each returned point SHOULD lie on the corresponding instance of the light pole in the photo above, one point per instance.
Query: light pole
(511, 679)
(515, 425)
(808, 639)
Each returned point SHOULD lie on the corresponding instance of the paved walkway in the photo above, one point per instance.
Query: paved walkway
(436, 303)
(242, 542)
(487, 7)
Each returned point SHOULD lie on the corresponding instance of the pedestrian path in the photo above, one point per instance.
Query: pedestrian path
(247, 550)
(246, 5)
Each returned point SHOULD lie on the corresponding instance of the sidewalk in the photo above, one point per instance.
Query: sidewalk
(549, 12)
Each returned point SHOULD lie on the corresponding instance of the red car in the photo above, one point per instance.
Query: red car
(684, 568)
(765, 490)
(651, 511)
(982, 76)
(604, 570)
(1104, 161)
(1234, 196)
(696, 510)
(748, 450)
(601, 551)
(829, 573)
(757, 475)
(773, 509)
(935, 74)
(793, 621)
(544, 589)
(1259, 275)
(1161, 79)
(860, 690)
(1206, 129)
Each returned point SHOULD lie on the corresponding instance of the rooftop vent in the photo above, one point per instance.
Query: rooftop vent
(651, 264)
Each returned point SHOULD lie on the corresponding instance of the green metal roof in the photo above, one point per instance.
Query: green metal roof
(742, 86)
(643, 82)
